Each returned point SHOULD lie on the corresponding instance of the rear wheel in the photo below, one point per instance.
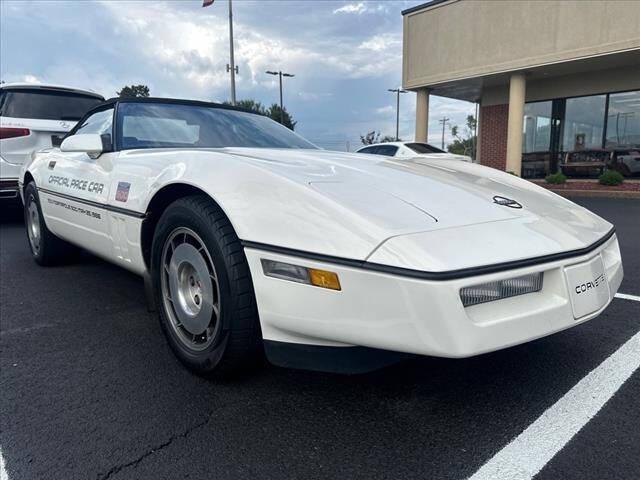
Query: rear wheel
(46, 248)
(203, 289)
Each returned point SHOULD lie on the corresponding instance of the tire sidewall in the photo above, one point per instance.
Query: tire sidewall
(31, 192)
(178, 215)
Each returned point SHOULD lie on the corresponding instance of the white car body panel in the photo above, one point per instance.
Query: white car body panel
(14, 152)
(385, 226)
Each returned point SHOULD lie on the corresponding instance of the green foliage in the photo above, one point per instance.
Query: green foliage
(611, 177)
(370, 138)
(465, 140)
(273, 112)
(556, 178)
(130, 91)
(249, 104)
(374, 137)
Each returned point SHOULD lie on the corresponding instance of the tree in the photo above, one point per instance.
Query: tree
(370, 138)
(374, 137)
(273, 112)
(249, 104)
(129, 91)
(465, 141)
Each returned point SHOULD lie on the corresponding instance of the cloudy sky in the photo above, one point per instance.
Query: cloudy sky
(345, 55)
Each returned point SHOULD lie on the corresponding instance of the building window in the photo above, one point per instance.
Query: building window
(583, 123)
(582, 136)
(536, 145)
(623, 121)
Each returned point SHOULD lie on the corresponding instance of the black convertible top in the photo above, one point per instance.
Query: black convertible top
(175, 101)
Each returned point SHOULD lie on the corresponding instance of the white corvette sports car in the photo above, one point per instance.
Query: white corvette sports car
(252, 240)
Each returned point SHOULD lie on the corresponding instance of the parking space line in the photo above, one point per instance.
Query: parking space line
(3, 471)
(625, 296)
(530, 451)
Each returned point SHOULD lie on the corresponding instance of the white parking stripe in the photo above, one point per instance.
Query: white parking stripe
(530, 451)
(625, 296)
(3, 471)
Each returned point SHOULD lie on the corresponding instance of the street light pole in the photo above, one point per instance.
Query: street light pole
(444, 123)
(232, 67)
(397, 91)
(280, 74)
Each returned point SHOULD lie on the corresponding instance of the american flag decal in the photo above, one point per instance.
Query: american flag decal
(122, 193)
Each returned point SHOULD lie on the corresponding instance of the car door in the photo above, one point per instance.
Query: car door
(75, 191)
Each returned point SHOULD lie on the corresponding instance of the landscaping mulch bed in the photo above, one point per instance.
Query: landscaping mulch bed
(592, 185)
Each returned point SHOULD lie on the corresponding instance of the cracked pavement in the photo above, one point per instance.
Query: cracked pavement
(89, 389)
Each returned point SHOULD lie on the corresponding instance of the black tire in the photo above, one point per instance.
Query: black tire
(236, 346)
(46, 248)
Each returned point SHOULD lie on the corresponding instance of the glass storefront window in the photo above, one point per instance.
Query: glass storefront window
(568, 135)
(537, 127)
(623, 121)
(583, 123)
(536, 143)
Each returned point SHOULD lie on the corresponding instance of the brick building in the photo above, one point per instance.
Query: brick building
(557, 81)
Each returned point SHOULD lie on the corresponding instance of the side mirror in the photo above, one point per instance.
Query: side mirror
(90, 143)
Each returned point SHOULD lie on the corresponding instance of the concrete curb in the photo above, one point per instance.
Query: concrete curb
(597, 193)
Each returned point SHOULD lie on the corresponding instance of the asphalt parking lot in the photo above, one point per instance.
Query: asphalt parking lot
(90, 390)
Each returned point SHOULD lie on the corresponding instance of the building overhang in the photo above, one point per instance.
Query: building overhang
(471, 88)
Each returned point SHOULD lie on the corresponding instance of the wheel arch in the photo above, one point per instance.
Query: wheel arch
(157, 205)
(28, 178)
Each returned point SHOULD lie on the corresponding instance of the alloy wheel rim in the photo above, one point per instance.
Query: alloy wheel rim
(33, 225)
(190, 289)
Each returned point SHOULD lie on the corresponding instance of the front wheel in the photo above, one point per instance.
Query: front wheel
(203, 289)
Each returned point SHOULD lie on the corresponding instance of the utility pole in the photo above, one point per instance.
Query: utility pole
(280, 75)
(231, 67)
(443, 121)
(397, 91)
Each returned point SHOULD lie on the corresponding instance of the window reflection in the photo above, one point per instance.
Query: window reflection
(582, 136)
(536, 145)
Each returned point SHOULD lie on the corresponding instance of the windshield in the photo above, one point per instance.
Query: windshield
(45, 104)
(424, 148)
(170, 125)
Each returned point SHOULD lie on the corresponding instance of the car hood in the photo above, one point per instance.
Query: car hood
(423, 195)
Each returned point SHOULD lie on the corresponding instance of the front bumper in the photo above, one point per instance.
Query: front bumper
(426, 317)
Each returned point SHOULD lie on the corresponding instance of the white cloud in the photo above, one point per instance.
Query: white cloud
(31, 79)
(362, 7)
(351, 8)
(385, 110)
(382, 42)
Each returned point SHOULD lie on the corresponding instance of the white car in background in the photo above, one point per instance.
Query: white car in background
(252, 240)
(410, 150)
(33, 117)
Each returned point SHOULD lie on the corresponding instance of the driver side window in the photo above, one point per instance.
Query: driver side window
(100, 122)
